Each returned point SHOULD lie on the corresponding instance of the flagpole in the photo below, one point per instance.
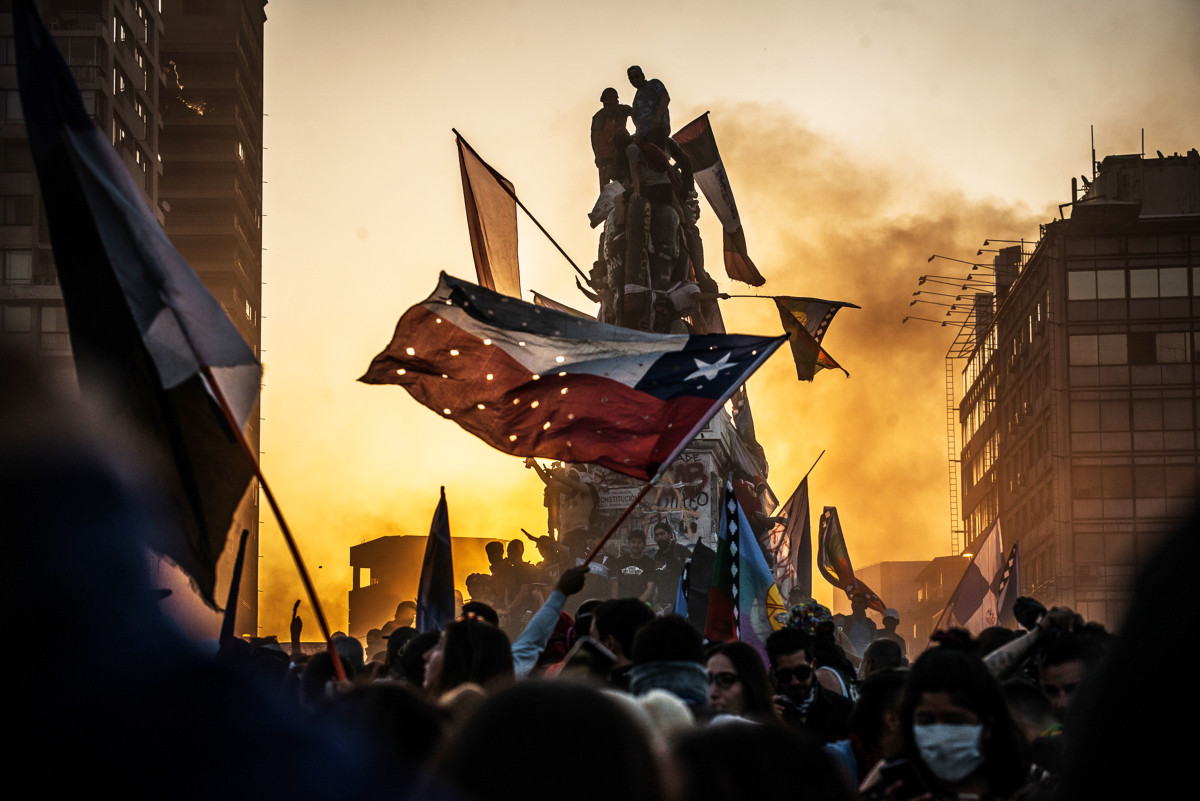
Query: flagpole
(814, 464)
(842, 304)
(215, 388)
(950, 601)
(683, 443)
(517, 200)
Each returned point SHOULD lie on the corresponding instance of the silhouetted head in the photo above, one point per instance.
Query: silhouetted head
(566, 725)
(615, 622)
(480, 610)
(609, 97)
(636, 77)
(881, 654)
(469, 650)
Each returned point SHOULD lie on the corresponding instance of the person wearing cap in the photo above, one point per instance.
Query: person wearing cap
(607, 126)
(891, 619)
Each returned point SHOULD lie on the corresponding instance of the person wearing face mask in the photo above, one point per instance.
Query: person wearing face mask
(959, 740)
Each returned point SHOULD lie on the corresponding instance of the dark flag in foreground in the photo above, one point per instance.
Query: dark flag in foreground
(975, 603)
(791, 542)
(697, 140)
(492, 221)
(142, 324)
(833, 560)
(744, 602)
(691, 601)
(435, 593)
(533, 381)
(806, 320)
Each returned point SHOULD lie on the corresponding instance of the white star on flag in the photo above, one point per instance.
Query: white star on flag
(709, 371)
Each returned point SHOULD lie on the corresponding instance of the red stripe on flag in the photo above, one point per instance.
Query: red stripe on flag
(575, 417)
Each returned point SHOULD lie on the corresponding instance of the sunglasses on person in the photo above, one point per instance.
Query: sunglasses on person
(723, 680)
(801, 674)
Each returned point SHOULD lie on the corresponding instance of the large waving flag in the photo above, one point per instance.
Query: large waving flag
(492, 221)
(435, 592)
(533, 381)
(806, 320)
(744, 602)
(790, 540)
(142, 324)
(975, 603)
(697, 140)
(833, 560)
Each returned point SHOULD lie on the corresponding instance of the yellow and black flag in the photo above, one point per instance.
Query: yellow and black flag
(806, 320)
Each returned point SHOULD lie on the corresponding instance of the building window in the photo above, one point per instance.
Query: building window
(1171, 348)
(16, 210)
(15, 157)
(1099, 349)
(1081, 285)
(54, 333)
(1112, 349)
(12, 106)
(1110, 284)
(18, 267)
(1083, 349)
(18, 319)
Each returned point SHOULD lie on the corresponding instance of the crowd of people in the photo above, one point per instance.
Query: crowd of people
(643, 700)
(614, 701)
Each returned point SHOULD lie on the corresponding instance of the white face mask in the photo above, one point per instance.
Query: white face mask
(949, 750)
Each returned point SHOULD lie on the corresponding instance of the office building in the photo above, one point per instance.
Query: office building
(1077, 384)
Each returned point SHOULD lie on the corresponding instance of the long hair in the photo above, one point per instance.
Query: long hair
(475, 652)
(756, 687)
(969, 684)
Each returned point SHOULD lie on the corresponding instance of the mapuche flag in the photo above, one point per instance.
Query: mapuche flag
(533, 381)
(744, 602)
(697, 140)
(806, 321)
(435, 592)
(833, 560)
(142, 325)
(492, 222)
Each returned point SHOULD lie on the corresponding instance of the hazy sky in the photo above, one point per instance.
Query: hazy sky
(860, 138)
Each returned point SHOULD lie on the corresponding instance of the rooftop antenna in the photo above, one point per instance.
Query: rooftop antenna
(1093, 128)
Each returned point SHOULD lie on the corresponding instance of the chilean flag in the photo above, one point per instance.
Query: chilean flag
(534, 381)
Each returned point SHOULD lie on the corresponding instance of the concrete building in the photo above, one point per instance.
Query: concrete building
(211, 186)
(387, 570)
(1076, 385)
(112, 47)
(195, 150)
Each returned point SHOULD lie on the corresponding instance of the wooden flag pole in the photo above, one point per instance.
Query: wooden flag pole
(620, 519)
(215, 388)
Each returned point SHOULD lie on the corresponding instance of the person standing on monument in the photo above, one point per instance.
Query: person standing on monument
(651, 117)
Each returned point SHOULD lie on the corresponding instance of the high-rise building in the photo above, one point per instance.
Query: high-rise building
(211, 146)
(112, 47)
(176, 85)
(1080, 385)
